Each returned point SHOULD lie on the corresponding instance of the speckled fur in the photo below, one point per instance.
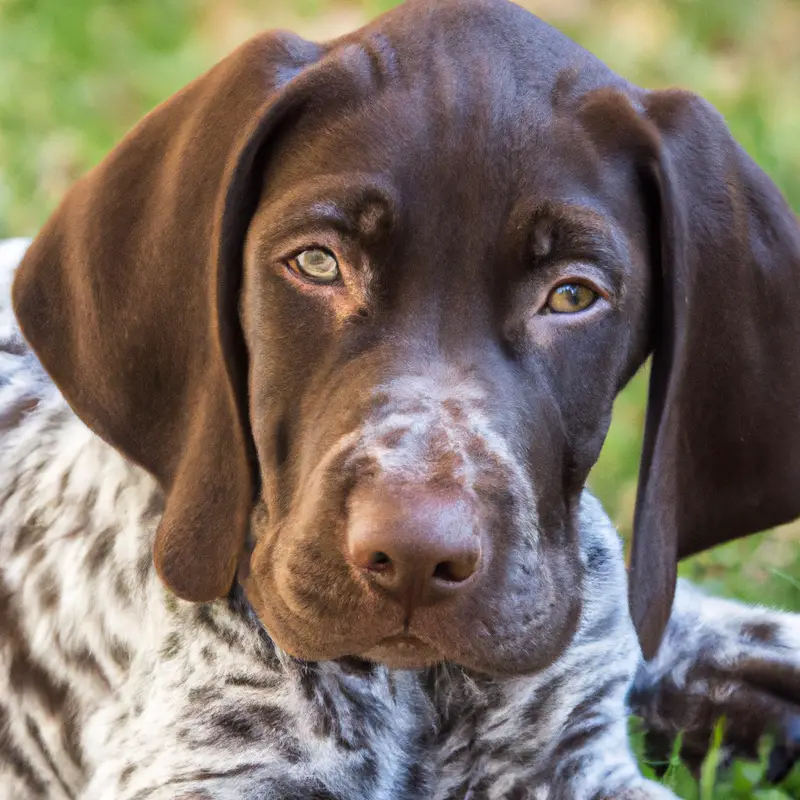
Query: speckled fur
(110, 687)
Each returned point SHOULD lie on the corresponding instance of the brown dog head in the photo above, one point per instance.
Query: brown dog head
(374, 300)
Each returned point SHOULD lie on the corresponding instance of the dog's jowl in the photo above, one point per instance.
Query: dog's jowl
(299, 392)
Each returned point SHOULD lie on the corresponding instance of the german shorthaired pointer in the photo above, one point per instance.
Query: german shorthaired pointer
(320, 357)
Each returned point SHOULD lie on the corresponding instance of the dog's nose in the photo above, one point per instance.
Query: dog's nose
(417, 544)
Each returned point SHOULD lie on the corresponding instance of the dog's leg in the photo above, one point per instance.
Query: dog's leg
(591, 755)
(721, 658)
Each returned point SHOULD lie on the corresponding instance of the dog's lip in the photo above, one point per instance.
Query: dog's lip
(402, 639)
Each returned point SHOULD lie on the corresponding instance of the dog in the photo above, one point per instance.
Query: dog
(298, 401)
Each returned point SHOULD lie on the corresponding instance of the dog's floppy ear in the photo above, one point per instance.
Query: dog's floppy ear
(721, 455)
(129, 298)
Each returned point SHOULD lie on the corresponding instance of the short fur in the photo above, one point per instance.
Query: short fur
(111, 687)
(461, 160)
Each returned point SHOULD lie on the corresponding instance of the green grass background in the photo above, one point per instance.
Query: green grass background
(76, 74)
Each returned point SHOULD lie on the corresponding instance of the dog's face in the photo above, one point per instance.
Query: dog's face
(372, 301)
(439, 311)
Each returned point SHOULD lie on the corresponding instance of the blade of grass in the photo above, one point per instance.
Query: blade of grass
(788, 578)
(708, 771)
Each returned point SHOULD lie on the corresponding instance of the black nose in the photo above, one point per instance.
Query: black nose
(417, 544)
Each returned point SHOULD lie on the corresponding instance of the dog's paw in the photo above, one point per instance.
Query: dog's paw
(721, 659)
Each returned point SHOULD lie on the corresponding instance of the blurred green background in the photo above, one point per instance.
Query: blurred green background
(76, 74)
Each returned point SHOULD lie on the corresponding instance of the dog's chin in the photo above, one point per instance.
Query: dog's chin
(406, 651)
(403, 652)
(383, 639)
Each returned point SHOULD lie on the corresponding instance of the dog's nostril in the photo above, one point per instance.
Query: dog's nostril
(379, 561)
(455, 571)
(415, 545)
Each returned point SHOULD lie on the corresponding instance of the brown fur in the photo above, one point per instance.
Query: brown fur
(444, 138)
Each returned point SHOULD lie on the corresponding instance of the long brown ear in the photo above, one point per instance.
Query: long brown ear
(129, 298)
(721, 454)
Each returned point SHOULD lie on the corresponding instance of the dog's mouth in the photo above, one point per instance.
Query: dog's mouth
(510, 621)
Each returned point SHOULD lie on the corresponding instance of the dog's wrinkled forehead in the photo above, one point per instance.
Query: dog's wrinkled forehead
(470, 79)
(492, 48)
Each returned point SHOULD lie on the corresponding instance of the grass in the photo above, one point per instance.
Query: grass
(74, 76)
(741, 780)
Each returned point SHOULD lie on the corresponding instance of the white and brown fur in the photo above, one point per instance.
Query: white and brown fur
(110, 687)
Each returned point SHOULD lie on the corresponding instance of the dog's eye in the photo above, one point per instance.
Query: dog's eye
(317, 264)
(570, 298)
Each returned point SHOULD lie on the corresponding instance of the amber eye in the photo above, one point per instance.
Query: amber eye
(570, 298)
(317, 264)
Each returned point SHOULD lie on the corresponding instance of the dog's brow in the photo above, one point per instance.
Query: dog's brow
(572, 231)
(356, 211)
(371, 216)
(295, 217)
